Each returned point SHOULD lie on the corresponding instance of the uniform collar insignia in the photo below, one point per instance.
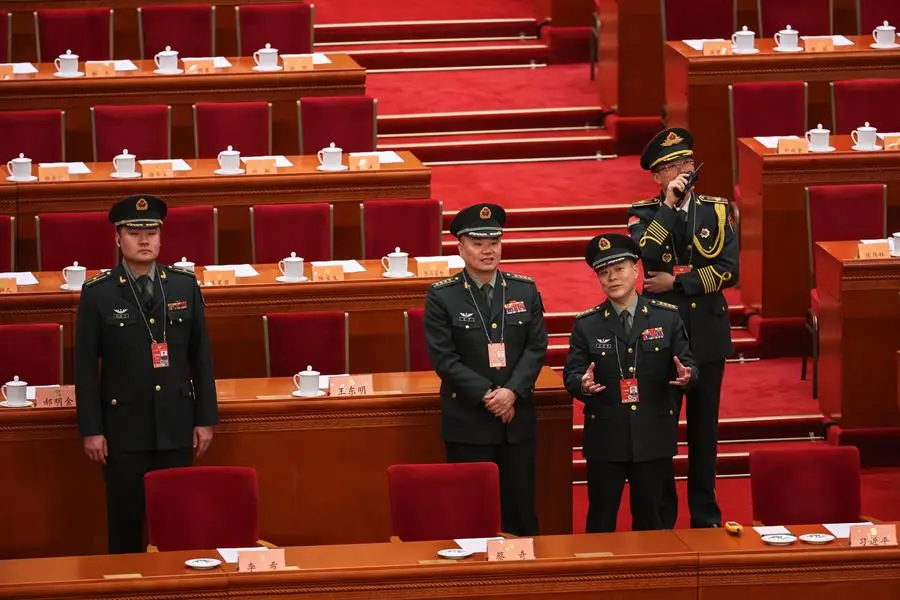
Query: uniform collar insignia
(644, 309)
(606, 314)
(122, 280)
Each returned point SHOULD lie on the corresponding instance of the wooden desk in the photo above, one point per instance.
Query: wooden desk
(859, 335)
(233, 195)
(697, 91)
(322, 463)
(343, 77)
(234, 315)
(774, 255)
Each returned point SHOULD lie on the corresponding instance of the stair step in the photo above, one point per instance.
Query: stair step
(343, 33)
(447, 55)
(418, 141)
(547, 145)
(535, 248)
(560, 217)
(424, 123)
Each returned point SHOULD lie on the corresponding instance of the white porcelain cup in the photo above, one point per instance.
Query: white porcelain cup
(266, 58)
(124, 163)
(19, 168)
(230, 159)
(330, 157)
(307, 382)
(787, 38)
(185, 264)
(895, 241)
(14, 392)
(864, 137)
(396, 263)
(743, 40)
(291, 267)
(818, 138)
(66, 63)
(885, 34)
(166, 60)
(74, 275)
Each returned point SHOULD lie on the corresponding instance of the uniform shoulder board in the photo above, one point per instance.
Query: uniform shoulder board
(518, 277)
(175, 269)
(647, 202)
(666, 305)
(97, 278)
(445, 282)
(713, 199)
(589, 311)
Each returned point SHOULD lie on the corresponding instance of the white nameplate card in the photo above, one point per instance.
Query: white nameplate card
(327, 273)
(873, 536)
(261, 166)
(157, 170)
(364, 163)
(792, 146)
(301, 62)
(54, 396)
(510, 549)
(874, 251)
(271, 559)
(8, 285)
(199, 66)
(53, 173)
(432, 268)
(350, 385)
(219, 277)
(100, 68)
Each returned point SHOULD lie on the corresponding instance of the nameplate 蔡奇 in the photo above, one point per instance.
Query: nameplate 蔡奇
(510, 549)
(892, 143)
(8, 285)
(365, 163)
(873, 536)
(56, 173)
(873, 251)
(714, 48)
(433, 268)
(219, 277)
(103, 68)
(327, 273)
(157, 170)
(792, 146)
(198, 66)
(819, 44)
(6, 72)
(57, 396)
(254, 561)
(298, 63)
(260, 166)
(350, 385)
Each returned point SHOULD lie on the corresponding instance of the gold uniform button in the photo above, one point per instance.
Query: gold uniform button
(114, 402)
(593, 416)
(693, 305)
(631, 369)
(493, 326)
(121, 324)
(179, 319)
(152, 321)
(453, 395)
(657, 349)
(630, 350)
(634, 407)
(158, 388)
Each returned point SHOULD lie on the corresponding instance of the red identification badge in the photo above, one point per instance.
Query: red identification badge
(629, 389)
(681, 270)
(160, 351)
(497, 355)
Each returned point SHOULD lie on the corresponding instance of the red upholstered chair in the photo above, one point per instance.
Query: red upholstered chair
(247, 126)
(7, 243)
(144, 130)
(698, 19)
(188, 28)
(192, 232)
(414, 335)
(295, 340)
(827, 210)
(419, 236)
(805, 486)
(288, 27)
(854, 102)
(872, 13)
(348, 121)
(38, 134)
(809, 17)
(5, 37)
(197, 508)
(276, 230)
(87, 32)
(66, 237)
(444, 501)
(33, 351)
(765, 108)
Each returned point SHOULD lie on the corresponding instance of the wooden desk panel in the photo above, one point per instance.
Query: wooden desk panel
(321, 463)
(774, 255)
(859, 335)
(697, 91)
(233, 195)
(343, 77)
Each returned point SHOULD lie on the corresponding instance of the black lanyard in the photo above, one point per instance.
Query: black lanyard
(141, 308)
(487, 331)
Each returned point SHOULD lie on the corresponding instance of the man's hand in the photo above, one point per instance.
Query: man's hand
(95, 448)
(683, 374)
(588, 385)
(499, 401)
(659, 282)
(508, 415)
(678, 184)
(202, 439)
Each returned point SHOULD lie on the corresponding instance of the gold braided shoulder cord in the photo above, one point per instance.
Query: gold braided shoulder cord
(721, 213)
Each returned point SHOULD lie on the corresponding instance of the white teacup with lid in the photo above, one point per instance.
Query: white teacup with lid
(787, 40)
(885, 36)
(396, 264)
(818, 139)
(125, 164)
(865, 137)
(330, 158)
(66, 64)
(230, 160)
(166, 60)
(74, 276)
(291, 267)
(307, 382)
(266, 59)
(184, 264)
(15, 393)
(19, 168)
(743, 41)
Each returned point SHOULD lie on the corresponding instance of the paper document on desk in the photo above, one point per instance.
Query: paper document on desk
(837, 40)
(230, 555)
(317, 57)
(771, 141)
(349, 266)
(454, 261)
(698, 44)
(75, 168)
(280, 161)
(22, 278)
(385, 157)
(178, 164)
(772, 530)
(239, 270)
(219, 62)
(475, 544)
(22, 68)
(842, 530)
(31, 390)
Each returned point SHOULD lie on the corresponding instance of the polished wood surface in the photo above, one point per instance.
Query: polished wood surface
(774, 254)
(697, 91)
(239, 83)
(321, 463)
(859, 335)
(234, 314)
(233, 195)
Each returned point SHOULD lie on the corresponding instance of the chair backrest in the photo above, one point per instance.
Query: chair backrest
(86, 237)
(444, 501)
(295, 340)
(193, 508)
(288, 27)
(698, 19)
(766, 108)
(417, 358)
(33, 351)
(144, 131)
(191, 232)
(872, 13)
(805, 486)
(87, 32)
(188, 28)
(7, 243)
(855, 102)
(809, 17)
(247, 126)
(419, 236)
(38, 134)
(350, 122)
(276, 230)
(5, 36)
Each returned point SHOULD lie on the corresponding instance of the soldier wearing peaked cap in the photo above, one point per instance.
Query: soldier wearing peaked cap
(625, 357)
(143, 370)
(486, 339)
(690, 254)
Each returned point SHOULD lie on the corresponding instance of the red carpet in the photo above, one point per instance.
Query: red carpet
(357, 11)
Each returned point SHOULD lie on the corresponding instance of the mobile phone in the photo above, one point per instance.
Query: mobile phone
(691, 180)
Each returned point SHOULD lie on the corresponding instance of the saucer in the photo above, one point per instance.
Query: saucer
(866, 149)
(826, 149)
(22, 179)
(66, 287)
(175, 72)
(286, 279)
(817, 538)
(74, 75)
(454, 553)
(749, 51)
(780, 49)
(402, 276)
(267, 69)
(228, 172)
(297, 394)
(340, 168)
(779, 539)
(117, 175)
(202, 563)
(6, 404)
(884, 46)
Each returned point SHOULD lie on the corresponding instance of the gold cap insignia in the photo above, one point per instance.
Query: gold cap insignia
(485, 213)
(671, 139)
(142, 204)
(604, 244)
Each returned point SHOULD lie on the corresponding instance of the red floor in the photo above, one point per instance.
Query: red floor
(360, 11)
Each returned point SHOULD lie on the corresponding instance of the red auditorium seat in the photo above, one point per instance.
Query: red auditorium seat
(33, 352)
(809, 17)
(279, 229)
(288, 27)
(191, 232)
(5, 37)
(419, 236)
(350, 122)
(414, 335)
(444, 501)
(66, 237)
(698, 19)
(38, 134)
(296, 340)
(7, 243)
(247, 126)
(857, 101)
(87, 32)
(144, 131)
(872, 13)
(188, 28)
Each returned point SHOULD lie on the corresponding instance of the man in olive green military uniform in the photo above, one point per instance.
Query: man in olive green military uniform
(143, 370)
(625, 356)
(486, 339)
(690, 255)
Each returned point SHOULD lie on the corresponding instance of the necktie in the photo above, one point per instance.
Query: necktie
(145, 288)
(488, 291)
(625, 317)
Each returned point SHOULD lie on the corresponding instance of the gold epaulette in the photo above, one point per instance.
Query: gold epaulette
(445, 282)
(175, 269)
(647, 202)
(98, 277)
(589, 311)
(665, 305)
(713, 199)
(518, 277)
